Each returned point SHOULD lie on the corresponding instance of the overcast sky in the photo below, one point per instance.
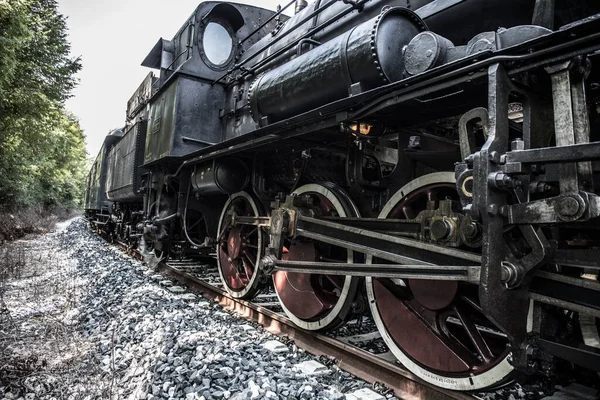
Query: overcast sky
(112, 37)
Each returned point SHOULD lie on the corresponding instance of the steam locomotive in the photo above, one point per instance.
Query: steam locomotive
(434, 163)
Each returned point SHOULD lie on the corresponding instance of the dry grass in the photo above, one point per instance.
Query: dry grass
(42, 351)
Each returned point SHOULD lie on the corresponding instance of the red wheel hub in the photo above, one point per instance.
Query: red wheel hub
(433, 295)
(234, 242)
(236, 255)
(301, 293)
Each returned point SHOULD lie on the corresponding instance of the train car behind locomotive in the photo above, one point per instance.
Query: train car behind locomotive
(95, 202)
(432, 163)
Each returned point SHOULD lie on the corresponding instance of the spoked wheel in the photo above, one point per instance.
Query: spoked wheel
(436, 329)
(313, 301)
(194, 229)
(239, 248)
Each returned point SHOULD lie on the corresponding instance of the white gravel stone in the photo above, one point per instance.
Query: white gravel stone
(176, 289)
(275, 346)
(140, 341)
(166, 282)
(247, 328)
(311, 367)
(364, 394)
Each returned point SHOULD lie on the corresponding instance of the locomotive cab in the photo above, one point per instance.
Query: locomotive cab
(185, 112)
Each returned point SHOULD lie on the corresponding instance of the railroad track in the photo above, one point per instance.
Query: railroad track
(353, 359)
(356, 348)
(353, 349)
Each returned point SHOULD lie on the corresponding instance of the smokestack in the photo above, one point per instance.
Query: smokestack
(300, 5)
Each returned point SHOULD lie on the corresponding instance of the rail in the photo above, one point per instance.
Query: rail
(358, 362)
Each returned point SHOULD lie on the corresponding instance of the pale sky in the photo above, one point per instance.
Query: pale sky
(112, 37)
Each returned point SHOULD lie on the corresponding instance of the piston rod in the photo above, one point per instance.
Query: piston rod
(392, 271)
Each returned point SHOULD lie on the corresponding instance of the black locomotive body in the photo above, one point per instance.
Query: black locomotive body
(434, 163)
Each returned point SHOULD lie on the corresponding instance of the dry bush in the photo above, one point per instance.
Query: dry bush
(15, 225)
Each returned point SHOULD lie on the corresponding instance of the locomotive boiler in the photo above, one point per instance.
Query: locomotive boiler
(432, 163)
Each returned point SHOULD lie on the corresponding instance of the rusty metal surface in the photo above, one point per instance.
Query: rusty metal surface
(356, 361)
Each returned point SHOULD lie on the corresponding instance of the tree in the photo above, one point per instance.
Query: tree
(43, 148)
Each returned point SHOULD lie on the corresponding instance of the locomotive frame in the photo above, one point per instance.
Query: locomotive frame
(449, 189)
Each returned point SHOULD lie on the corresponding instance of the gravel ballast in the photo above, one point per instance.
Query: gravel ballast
(126, 332)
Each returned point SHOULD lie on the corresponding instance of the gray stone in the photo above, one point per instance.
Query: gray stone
(189, 389)
(364, 394)
(247, 328)
(271, 395)
(155, 390)
(177, 361)
(311, 367)
(176, 289)
(275, 346)
(254, 390)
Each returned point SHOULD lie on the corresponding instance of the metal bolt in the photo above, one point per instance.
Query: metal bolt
(568, 206)
(492, 209)
(471, 230)
(503, 210)
(509, 274)
(505, 273)
(440, 229)
(494, 157)
(529, 349)
(500, 180)
(517, 144)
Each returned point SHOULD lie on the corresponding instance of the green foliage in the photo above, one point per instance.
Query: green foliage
(42, 152)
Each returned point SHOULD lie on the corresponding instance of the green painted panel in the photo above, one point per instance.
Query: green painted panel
(159, 138)
(94, 187)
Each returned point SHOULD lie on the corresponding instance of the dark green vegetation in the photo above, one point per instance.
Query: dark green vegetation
(42, 147)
